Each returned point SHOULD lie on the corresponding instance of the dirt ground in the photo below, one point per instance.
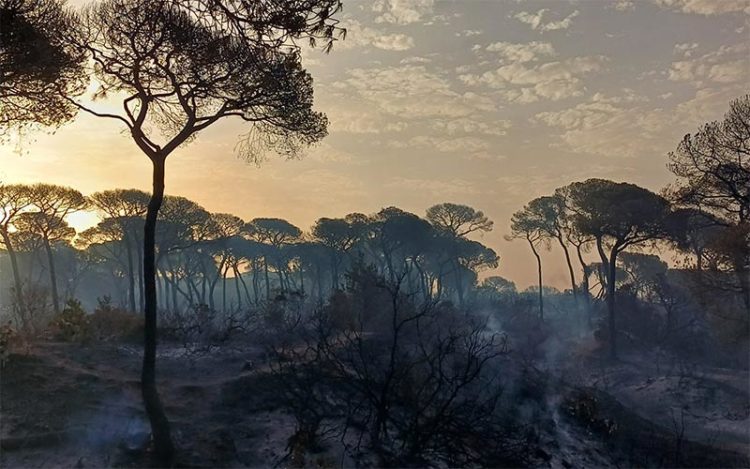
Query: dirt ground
(66, 405)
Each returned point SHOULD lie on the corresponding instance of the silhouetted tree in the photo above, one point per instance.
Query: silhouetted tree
(36, 63)
(617, 216)
(14, 199)
(713, 170)
(339, 235)
(458, 220)
(713, 166)
(126, 207)
(182, 66)
(277, 233)
(50, 229)
(531, 224)
(54, 204)
(223, 228)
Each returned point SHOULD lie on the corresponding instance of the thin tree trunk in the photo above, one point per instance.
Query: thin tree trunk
(539, 275)
(224, 289)
(52, 276)
(160, 431)
(237, 286)
(255, 281)
(268, 284)
(131, 275)
(585, 284)
(16, 279)
(160, 289)
(280, 274)
(204, 281)
(573, 283)
(611, 304)
(244, 286)
(141, 293)
(212, 285)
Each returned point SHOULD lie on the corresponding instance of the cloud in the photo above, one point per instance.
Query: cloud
(359, 122)
(522, 83)
(527, 52)
(624, 5)
(728, 64)
(470, 125)
(415, 60)
(412, 92)
(706, 7)
(358, 35)
(436, 189)
(441, 144)
(537, 23)
(685, 49)
(402, 11)
(623, 126)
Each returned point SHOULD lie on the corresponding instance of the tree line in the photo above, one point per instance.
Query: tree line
(199, 255)
(704, 214)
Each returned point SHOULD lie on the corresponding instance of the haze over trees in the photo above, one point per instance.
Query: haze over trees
(379, 339)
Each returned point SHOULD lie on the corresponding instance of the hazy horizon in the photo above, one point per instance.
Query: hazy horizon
(489, 104)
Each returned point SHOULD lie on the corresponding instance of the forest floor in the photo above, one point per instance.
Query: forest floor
(66, 405)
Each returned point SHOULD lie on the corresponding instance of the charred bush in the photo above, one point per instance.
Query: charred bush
(418, 383)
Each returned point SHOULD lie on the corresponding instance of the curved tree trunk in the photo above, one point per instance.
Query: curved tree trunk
(16, 280)
(539, 275)
(237, 279)
(571, 272)
(160, 432)
(52, 276)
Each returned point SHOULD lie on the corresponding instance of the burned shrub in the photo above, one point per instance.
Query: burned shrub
(109, 322)
(417, 383)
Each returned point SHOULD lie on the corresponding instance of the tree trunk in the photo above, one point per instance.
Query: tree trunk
(237, 279)
(254, 279)
(141, 293)
(131, 275)
(52, 276)
(16, 280)
(539, 276)
(585, 285)
(268, 284)
(160, 432)
(611, 303)
(280, 274)
(224, 289)
(570, 268)
(212, 285)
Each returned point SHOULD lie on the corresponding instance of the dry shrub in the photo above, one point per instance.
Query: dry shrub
(111, 323)
(72, 324)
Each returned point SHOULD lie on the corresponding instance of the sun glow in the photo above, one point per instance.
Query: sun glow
(82, 220)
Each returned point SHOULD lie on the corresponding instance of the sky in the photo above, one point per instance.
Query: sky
(486, 103)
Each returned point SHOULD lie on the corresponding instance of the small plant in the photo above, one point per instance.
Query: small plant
(72, 324)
